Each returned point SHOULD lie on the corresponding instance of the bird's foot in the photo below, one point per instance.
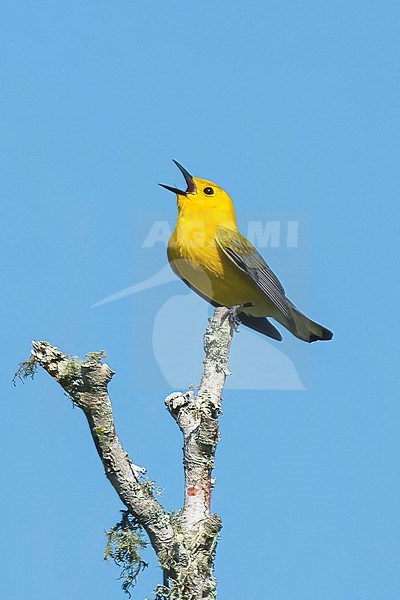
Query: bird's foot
(232, 314)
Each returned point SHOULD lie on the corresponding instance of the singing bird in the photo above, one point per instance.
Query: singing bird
(209, 254)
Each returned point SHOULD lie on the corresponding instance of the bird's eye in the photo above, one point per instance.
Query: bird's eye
(208, 191)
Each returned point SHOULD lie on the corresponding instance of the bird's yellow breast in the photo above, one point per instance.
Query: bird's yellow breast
(195, 256)
(194, 242)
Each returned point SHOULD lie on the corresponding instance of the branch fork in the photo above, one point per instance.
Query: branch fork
(185, 543)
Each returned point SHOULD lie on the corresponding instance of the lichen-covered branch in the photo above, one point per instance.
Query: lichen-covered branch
(197, 417)
(185, 542)
(86, 383)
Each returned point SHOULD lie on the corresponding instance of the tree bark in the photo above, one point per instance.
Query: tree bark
(184, 542)
(197, 417)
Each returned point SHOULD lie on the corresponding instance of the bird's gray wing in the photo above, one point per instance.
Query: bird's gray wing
(243, 254)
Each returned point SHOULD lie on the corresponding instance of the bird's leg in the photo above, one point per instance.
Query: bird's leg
(233, 314)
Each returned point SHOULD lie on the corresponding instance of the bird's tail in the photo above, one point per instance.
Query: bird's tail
(305, 329)
(260, 324)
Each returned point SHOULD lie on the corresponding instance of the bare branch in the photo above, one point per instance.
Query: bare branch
(185, 543)
(86, 383)
(217, 344)
(197, 417)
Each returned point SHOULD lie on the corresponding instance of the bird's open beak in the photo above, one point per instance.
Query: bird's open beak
(189, 182)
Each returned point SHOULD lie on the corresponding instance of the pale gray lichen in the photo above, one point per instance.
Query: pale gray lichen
(124, 542)
(26, 369)
(151, 488)
(161, 592)
(70, 375)
(95, 357)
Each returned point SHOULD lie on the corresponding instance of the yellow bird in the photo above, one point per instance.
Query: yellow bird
(209, 254)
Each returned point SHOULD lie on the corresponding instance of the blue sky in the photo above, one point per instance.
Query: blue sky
(293, 108)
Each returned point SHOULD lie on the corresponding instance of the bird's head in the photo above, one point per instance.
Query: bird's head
(201, 196)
